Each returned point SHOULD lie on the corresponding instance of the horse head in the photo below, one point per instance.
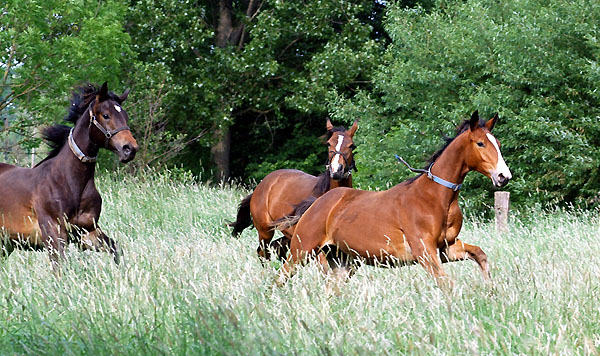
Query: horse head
(483, 151)
(108, 124)
(340, 162)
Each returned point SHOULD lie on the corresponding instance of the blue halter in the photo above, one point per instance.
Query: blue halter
(438, 180)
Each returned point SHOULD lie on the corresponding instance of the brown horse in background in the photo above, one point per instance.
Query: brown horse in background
(57, 200)
(413, 222)
(280, 191)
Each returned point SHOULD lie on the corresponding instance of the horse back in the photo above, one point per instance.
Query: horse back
(278, 193)
(5, 167)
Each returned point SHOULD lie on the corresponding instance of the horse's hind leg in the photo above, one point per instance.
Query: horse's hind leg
(6, 248)
(265, 235)
(460, 251)
(280, 247)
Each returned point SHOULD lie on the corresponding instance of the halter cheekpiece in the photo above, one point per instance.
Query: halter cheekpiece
(455, 187)
(107, 133)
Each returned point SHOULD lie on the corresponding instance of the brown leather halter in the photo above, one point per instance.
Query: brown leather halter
(109, 134)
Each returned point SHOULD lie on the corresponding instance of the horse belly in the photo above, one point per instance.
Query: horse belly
(372, 239)
(23, 229)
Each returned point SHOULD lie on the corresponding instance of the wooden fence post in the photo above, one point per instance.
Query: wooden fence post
(501, 204)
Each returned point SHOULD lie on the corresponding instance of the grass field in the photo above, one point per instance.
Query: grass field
(187, 287)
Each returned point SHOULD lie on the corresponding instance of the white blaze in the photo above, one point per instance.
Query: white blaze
(335, 164)
(118, 108)
(501, 166)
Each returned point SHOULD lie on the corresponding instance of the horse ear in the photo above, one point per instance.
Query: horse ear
(103, 93)
(353, 128)
(491, 122)
(124, 95)
(329, 125)
(474, 122)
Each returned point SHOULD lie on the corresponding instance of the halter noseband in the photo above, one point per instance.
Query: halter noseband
(455, 187)
(109, 134)
(349, 167)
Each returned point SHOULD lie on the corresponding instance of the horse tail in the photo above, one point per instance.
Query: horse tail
(292, 219)
(244, 219)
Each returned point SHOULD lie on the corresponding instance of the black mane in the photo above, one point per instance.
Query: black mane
(464, 126)
(56, 135)
(323, 184)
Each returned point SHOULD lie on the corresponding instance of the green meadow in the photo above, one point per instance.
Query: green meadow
(186, 287)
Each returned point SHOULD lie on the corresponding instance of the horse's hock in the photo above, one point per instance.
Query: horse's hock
(501, 205)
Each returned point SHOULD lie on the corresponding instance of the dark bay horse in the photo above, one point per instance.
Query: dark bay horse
(416, 221)
(280, 191)
(57, 201)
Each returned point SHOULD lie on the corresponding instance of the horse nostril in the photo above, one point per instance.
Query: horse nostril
(127, 149)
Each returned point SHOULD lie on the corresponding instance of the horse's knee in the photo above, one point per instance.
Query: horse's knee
(477, 254)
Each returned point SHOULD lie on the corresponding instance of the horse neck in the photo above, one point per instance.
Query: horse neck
(70, 167)
(450, 166)
(344, 182)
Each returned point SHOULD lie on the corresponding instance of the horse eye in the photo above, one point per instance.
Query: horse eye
(105, 116)
(480, 144)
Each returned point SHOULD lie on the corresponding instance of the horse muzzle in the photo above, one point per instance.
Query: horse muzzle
(124, 145)
(127, 152)
(500, 179)
(336, 175)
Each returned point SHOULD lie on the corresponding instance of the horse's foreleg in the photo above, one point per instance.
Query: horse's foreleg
(460, 251)
(54, 237)
(97, 240)
(427, 256)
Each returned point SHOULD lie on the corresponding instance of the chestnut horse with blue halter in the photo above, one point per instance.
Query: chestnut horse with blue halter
(416, 221)
(280, 191)
(56, 201)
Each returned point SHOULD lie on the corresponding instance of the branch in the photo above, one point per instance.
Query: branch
(178, 147)
(288, 46)
(11, 97)
(9, 64)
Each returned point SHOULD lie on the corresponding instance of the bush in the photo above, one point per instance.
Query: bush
(534, 62)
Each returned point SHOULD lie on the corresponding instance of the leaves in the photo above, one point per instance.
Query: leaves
(528, 60)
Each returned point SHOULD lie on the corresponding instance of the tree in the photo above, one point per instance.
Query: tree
(255, 66)
(47, 47)
(535, 62)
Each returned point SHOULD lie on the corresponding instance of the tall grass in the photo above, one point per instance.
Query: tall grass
(187, 287)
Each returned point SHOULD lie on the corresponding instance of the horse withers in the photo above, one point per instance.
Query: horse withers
(280, 191)
(57, 201)
(416, 221)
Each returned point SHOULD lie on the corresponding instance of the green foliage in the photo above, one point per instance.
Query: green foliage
(47, 47)
(534, 62)
(271, 86)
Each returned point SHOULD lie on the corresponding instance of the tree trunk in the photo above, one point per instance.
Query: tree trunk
(220, 153)
(228, 34)
(222, 144)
